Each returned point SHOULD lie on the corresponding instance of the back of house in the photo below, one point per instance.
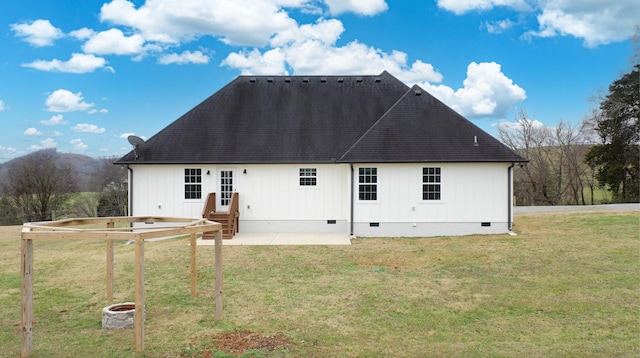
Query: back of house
(359, 155)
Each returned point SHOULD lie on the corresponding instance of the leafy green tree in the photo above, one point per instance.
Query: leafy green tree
(617, 158)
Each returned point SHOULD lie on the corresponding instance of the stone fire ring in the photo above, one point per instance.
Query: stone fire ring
(119, 316)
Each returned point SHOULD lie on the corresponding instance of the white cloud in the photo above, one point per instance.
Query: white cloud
(87, 128)
(461, 6)
(324, 31)
(65, 101)
(310, 49)
(79, 63)
(487, 92)
(185, 57)
(272, 62)
(7, 150)
(38, 33)
(126, 135)
(521, 123)
(240, 22)
(596, 22)
(54, 120)
(78, 144)
(82, 34)
(57, 134)
(114, 42)
(498, 27)
(360, 7)
(32, 132)
(45, 143)
(2, 106)
(94, 111)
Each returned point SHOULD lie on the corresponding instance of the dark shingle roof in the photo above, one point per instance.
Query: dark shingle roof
(319, 119)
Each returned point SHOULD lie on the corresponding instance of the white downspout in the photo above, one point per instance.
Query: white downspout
(510, 196)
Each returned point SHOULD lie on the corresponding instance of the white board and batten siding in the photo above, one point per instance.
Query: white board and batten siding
(471, 194)
(272, 199)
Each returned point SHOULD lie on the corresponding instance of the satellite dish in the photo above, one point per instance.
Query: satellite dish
(135, 142)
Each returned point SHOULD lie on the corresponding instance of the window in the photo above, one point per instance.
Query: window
(430, 183)
(368, 183)
(308, 177)
(192, 183)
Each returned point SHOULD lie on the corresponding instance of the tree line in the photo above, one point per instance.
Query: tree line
(41, 187)
(569, 164)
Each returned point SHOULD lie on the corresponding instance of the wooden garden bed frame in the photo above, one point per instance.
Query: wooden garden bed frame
(72, 229)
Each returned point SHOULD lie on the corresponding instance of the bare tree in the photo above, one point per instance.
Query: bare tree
(556, 172)
(111, 181)
(533, 182)
(572, 144)
(590, 137)
(39, 184)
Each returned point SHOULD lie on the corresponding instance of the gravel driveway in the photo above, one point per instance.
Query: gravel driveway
(549, 209)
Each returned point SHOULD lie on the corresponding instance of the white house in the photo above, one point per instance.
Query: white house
(361, 155)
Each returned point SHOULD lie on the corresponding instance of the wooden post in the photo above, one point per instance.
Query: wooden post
(27, 296)
(218, 266)
(193, 267)
(138, 318)
(110, 260)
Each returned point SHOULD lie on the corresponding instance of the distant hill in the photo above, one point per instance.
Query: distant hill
(83, 165)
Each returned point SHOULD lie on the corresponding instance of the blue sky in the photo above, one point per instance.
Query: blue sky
(82, 75)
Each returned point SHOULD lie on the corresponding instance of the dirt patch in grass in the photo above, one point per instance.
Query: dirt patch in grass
(239, 342)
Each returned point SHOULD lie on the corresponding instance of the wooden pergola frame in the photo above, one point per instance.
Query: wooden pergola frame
(69, 229)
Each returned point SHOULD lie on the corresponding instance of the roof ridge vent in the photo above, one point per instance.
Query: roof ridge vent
(323, 79)
(305, 79)
(358, 79)
(340, 79)
(269, 79)
(253, 79)
(378, 79)
(287, 79)
(417, 91)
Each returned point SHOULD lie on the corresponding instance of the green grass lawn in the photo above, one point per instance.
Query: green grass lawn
(568, 285)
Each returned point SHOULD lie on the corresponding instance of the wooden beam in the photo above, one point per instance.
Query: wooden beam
(110, 264)
(218, 266)
(193, 267)
(138, 317)
(27, 296)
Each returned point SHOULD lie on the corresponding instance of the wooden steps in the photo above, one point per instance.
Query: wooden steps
(229, 219)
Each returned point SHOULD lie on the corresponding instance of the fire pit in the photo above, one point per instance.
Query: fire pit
(119, 315)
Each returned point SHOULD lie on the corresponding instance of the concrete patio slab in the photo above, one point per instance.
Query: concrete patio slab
(282, 238)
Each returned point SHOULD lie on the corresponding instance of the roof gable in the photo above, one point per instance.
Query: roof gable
(420, 128)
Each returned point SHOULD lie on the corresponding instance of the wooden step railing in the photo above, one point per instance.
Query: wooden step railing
(229, 219)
